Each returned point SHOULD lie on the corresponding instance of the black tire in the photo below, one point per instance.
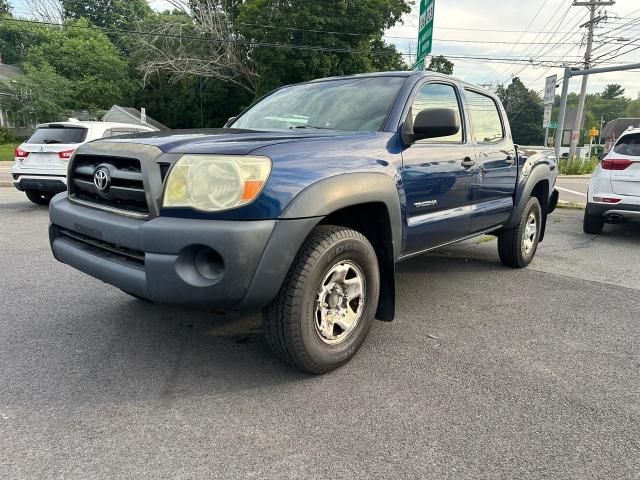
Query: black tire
(291, 321)
(591, 224)
(511, 241)
(38, 197)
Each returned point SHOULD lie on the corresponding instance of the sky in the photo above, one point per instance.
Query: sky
(454, 17)
(540, 29)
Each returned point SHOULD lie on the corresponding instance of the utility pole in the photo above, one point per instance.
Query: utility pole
(592, 5)
(568, 73)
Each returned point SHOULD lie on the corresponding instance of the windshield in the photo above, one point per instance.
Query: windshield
(354, 104)
(58, 134)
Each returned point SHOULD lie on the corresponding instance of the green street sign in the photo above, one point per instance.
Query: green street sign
(425, 30)
(553, 124)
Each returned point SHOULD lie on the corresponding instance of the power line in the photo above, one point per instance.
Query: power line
(253, 43)
(557, 24)
(521, 35)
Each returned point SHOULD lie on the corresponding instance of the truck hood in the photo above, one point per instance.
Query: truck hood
(229, 141)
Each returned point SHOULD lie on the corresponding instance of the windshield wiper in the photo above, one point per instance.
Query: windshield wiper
(48, 141)
(311, 126)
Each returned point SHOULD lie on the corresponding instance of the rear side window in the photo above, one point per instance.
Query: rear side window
(628, 145)
(114, 132)
(485, 118)
(58, 134)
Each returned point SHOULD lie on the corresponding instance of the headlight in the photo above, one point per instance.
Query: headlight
(215, 182)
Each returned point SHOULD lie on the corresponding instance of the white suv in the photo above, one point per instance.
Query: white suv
(614, 191)
(40, 168)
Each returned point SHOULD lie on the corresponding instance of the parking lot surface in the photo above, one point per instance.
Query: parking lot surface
(486, 372)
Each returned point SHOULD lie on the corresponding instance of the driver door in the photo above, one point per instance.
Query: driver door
(438, 176)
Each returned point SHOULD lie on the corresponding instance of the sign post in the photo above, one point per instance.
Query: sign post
(425, 32)
(549, 98)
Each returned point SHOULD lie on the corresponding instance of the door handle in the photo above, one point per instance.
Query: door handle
(510, 160)
(468, 162)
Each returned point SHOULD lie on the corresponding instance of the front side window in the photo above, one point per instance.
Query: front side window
(485, 118)
(628, 145)
(353, 104)
(437, 95)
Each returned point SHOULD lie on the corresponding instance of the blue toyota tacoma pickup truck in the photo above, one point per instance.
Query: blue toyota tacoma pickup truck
(303, 204)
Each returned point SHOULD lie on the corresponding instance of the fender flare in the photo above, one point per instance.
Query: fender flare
(538, 173)
(347, 190)
(351, 189)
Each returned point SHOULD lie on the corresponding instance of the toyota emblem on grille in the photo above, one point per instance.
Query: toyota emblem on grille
(102, 179)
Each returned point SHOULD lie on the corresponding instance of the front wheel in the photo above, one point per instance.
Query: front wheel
(38, 197)
(327, 303)
(517, 245)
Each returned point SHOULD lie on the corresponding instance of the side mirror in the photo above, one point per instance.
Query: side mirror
(230, 121)
(435, 122)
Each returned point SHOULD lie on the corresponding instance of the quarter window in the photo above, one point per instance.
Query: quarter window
(437, 95)
(485, 118)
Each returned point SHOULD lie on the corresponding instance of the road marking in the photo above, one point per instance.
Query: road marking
(571, 191)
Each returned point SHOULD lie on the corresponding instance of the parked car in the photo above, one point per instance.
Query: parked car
(305, 204)
(614, 189)
(40, 168)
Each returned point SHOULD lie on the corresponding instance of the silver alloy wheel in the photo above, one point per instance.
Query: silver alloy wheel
(530, 233)
(339, 302)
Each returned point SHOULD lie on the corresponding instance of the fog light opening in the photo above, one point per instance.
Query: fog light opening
(199, 265)
(208, 263)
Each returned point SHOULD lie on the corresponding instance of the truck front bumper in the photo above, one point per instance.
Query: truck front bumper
(225, 265)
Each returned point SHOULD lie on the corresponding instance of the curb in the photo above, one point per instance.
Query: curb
(570, 205)
(5, 184)
(574, 176)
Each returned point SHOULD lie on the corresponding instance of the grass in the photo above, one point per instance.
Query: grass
(577, 166)
(6, 152)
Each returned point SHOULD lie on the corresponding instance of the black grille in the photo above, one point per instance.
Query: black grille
(105, 249)
(126, 189)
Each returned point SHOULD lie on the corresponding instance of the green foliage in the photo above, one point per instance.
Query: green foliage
(71, 68)
(5, 7)
(577, 166)
(524, 110)
(633, 109)
(118, 14)
(17, 38)
(441, 64)
(43, 95)
(5, 135)
(613, 91)
(180, 104)
(278, 66)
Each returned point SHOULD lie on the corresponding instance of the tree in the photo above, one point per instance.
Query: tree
(42, 96)
(347, 37)
(633, 109)
(441, 64)
(524, 110)
(612, 91)
(5, 7)
(72, 68)
(197, 41)
(228, 41)
(117, 14)
(45, 10)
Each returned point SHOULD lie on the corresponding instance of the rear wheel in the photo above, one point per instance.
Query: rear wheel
(38, 197)
(327, 303)
(592, 224)
(517, 246)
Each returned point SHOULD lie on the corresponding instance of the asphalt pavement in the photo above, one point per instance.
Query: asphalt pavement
(486, 372)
